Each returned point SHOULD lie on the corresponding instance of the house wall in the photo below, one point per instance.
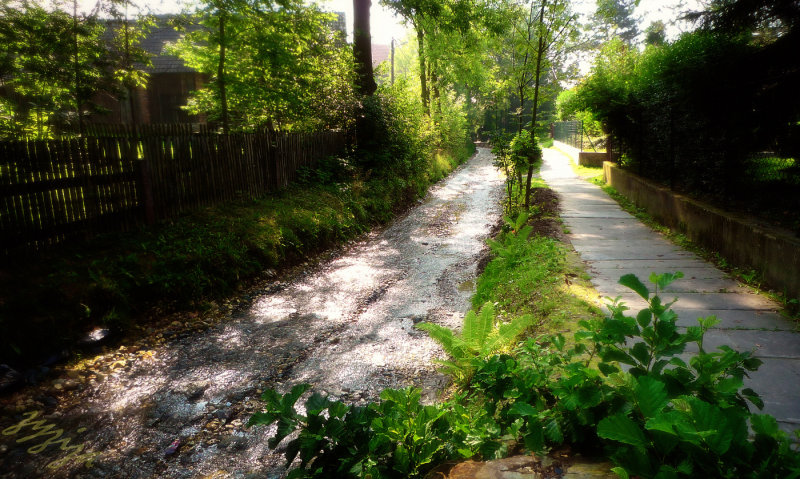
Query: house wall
(160, 102)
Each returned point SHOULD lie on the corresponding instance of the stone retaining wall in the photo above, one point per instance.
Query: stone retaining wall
(593, 159)
(741, 241)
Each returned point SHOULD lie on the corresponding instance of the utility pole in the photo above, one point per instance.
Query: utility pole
(392, 60)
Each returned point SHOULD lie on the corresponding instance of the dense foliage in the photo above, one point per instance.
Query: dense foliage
(715, 112)
(276, 64)
(660, 417)
(54, 64)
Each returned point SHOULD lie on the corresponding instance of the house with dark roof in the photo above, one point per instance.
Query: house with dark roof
(169, 84)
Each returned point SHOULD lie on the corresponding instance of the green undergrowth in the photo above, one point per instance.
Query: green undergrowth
(114, 279)
(747, 276)
(620, 386)
(534, 275)
(664, 415)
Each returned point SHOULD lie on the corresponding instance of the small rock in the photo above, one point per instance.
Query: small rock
(222, 414)
(173, 447)
(195, 390)
(71, 385)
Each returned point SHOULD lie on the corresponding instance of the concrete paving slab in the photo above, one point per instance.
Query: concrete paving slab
(619, 214)
(737, 319)
(643, 273)
(705, 285)
(585, 198)
(601, 225)
(604, 235)
(653, 246)
(657, 265)
(717, 301)
(765, 344)
(611, 254)
(777, 381)
(572, 206)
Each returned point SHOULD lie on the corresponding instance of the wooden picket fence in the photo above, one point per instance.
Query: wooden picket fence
(119, 179)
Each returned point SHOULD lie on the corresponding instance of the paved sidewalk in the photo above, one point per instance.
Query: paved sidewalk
(612, 243)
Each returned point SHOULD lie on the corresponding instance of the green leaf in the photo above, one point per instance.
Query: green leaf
(338, 409)
(614, 354)
(316, 403)
(622, 429)
(729, 385)
(666, 472)
(523, 409)
(286, 426)
(632, 282)
(534, 438)
(708, 322)
(663, 280)
(272, 398)
(402, 459)
(651, 396)
(764, 424)
(558, 342)
(711, 419)
(553, 431)
(644, 317)
(291, 398)
(753, 397)
(607, 368)
(262, 418)
(665, 422)
(641, 352)
(621, 472)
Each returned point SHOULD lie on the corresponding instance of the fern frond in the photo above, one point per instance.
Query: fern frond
(520, 221)
(452, 344)
(477, 327)
(507, 333)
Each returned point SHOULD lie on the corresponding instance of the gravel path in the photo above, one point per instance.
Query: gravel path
(345, 326)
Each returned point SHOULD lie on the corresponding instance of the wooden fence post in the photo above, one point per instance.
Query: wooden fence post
(146, 192)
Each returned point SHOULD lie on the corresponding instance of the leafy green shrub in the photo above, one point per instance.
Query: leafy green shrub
(397, 437)
(525, 149)
(661, 417)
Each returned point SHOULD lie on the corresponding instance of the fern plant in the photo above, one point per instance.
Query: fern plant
(481, 336)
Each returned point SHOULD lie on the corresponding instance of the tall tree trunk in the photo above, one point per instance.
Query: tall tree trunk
(539, 56)
(436, 98)
(521, 107)
(128, 88)
(76, 67)
(362, 47)
(223, 94)
(423, 74)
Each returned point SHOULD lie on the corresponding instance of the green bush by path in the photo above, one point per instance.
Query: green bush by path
(660, 417)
